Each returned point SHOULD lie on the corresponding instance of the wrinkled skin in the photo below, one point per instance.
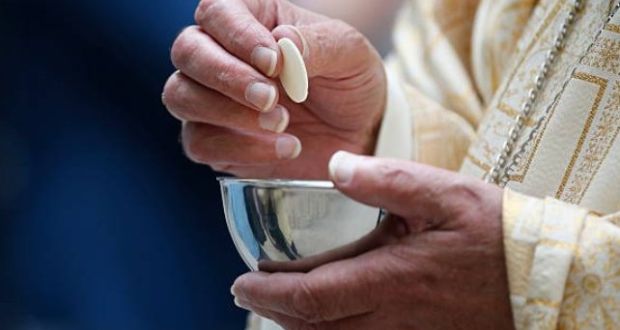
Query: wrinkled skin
(436, 263)
(438, 260)
(216, 66)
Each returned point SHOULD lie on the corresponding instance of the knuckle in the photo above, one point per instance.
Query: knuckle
(464, 189)
(176, 99)
(208, 9)
(394, 178)
(172, 91)
(243, 29)
(184, 48)
(467, 199)
(356, 39)
(226, 74)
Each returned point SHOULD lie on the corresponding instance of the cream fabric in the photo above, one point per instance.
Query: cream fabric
(461, 71)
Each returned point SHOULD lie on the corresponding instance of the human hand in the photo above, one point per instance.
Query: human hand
(438, 260)
(236, 117)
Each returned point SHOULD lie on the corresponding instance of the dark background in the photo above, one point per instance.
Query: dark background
(103, 222)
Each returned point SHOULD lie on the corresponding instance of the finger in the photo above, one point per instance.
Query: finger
(331, 48)
(287, 322)
(389, 231)
(209, 144)
(332, 292)
(199, 57)
(189, 101)
(264, 171)
(235, 26)
(404, 188)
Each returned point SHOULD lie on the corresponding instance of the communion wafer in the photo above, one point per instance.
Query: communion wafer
(294, 77)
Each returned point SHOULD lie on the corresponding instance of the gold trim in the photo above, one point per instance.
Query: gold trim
(557, 244)
(539, 138)
(519, 178)
(600, 163)
(482, 165)
(613, 28)
(486, 167)
(543, 28)
(614, 219)
(518, 64)
(543, 302)
(602, 84)
(513, 113)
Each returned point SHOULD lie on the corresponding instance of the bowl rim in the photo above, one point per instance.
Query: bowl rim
(278, 183)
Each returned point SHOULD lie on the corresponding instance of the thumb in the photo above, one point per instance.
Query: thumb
(331, 48)
(404, 188)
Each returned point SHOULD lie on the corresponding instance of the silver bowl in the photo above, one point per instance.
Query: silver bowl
(280, 225)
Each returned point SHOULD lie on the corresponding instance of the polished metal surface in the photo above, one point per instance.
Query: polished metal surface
(293, 225)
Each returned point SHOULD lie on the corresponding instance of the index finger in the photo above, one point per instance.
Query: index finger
(235, 26)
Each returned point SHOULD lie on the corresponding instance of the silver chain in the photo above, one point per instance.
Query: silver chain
(508, 160)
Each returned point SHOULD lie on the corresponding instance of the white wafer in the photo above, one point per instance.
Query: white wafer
(294, 76)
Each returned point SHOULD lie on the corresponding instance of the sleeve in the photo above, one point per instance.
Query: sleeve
(563, 264)
(433, 107)
(417, 128)
(446, 65)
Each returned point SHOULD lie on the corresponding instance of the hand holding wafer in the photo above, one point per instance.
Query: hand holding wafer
(263, 86)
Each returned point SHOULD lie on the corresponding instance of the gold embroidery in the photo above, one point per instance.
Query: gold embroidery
(484, 166)
(604, 55)
(524, 55)
(557, 244)
(543, 303)
(613, 28)
(512, 113)
(615, 219)
(599, 145)
(602, 83)
(591, 299)
(591, 284)
(530, 154)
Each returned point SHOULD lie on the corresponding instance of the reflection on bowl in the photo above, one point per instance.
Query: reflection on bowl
(280, 225)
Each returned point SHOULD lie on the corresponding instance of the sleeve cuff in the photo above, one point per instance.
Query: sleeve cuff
(540, 242)
(396, 132)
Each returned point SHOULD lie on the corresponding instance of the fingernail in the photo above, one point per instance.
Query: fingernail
(275, 121)
(265, 59)
(288, 147)
(262, 95)
(342, 167)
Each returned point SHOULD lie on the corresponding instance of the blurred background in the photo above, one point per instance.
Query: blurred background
(103, 222)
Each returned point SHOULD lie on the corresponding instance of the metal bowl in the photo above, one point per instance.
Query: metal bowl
(280, 225)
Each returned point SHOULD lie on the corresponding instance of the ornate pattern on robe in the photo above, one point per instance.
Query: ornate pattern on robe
(459, 74)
